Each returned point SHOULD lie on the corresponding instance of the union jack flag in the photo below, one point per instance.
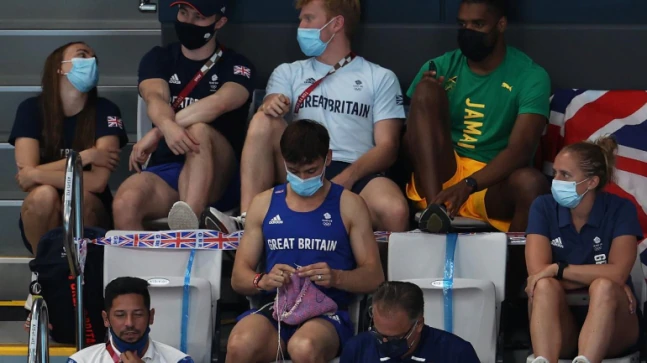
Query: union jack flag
(578, 115)
(114, 121)
(243, 71)
(196, 239)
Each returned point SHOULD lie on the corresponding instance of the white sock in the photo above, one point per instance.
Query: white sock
(540, 359)
(581, 359)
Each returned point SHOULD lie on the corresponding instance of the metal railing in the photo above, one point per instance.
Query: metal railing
(38, 333)
(73, 227)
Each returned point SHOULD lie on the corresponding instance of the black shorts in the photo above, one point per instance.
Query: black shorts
(336, 167)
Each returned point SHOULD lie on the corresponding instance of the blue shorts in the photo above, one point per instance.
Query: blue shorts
(340, 320)
(170, 173)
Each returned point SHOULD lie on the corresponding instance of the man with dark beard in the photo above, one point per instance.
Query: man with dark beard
(477, 114)
(128, 315)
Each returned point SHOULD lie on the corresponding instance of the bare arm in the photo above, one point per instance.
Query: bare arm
(94, 181)
(27, 152)
(539, 257)
(523, 142)
(380, 157)
(229, 97)
(156, 94)
(369, 274)
(621, 260)
(251, 247)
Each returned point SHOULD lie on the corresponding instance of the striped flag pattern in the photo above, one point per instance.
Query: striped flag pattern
(578, 115)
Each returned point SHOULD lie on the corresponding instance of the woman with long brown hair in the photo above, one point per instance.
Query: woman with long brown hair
(66, 115)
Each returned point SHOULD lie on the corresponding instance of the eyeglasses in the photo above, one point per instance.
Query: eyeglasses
(385, 338)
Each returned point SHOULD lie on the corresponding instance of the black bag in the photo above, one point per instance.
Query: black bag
(58, 287)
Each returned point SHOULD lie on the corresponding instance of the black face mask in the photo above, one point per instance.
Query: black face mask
(474, 44)
(192, 36)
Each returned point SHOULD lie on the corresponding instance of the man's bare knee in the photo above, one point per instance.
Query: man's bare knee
(304, 349)
(125, 206)
(263, 126)
(204, 134)
(242, 347)
(42, 201)
(426, 90)
(391, 208)
(526, 185)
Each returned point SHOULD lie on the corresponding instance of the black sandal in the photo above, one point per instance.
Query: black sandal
(435, 219)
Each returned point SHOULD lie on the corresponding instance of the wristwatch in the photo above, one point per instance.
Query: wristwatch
(560, 269)
(471, 182)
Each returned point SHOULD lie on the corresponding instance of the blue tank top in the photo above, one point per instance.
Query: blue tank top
(305, 238)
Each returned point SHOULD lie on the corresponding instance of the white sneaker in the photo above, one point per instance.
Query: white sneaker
(182, 217)
(216, 220)
(581, 359)
(540, 359)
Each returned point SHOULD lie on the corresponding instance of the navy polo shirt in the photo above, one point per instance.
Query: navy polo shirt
(610, 217)
(435, 346)
(168, 63)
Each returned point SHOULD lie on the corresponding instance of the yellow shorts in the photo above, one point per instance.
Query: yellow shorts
(474, 207)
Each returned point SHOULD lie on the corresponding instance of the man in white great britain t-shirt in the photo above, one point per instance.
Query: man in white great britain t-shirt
(359, 102)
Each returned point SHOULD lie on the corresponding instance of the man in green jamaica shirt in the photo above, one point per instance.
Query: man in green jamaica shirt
(477, 115)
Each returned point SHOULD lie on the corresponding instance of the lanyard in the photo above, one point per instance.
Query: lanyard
(342, 63)
(115, 357)
(198, 76)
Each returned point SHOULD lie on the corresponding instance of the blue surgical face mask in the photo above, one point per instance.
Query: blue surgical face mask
(306, 187)
(310, 41)
(84, 74)
(565, 193)
(137, 346)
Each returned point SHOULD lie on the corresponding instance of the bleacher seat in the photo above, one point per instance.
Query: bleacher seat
(464, 223)
(478, 285)
(168, 267)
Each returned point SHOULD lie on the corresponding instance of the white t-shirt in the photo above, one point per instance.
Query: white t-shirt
(156, 353)
(349, 102)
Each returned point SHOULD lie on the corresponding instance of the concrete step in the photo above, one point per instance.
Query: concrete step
(16, 277)
(75, 14)
(118, 51)
(13, 344)
(123, 96)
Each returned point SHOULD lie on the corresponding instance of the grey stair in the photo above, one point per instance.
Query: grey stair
(118, 51)
(123, 96)
(16, 277)
(11, 242)
(75, 14)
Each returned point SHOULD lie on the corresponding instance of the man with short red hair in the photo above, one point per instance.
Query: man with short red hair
(359, 103)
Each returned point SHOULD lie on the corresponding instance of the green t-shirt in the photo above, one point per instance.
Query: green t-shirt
(483, 109)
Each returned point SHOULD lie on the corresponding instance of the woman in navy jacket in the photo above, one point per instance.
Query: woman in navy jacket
(582, 238)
